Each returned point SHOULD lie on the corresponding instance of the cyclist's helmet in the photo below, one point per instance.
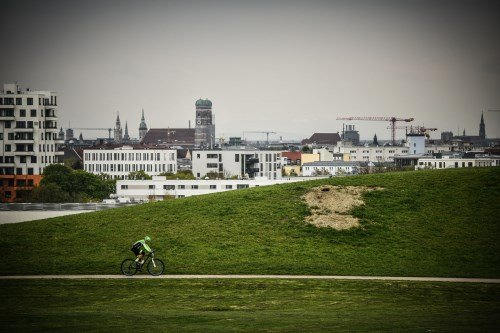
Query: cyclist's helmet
(147, 239)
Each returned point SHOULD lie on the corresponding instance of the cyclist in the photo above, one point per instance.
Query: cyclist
(138, 248)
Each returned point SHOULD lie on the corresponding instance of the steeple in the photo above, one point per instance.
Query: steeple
(118, 129)
(482, 128)
(125, 136)
(143, 128)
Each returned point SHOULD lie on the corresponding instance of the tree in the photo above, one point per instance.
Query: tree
(306, 149)
(139, 175)
(49, 192)
(213, 175)
(57, 174)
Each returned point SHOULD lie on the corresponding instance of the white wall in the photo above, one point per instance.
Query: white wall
(158, 188)
(119, 162)
(232, 162)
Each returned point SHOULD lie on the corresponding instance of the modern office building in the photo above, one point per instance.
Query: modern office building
(333, 168)
(237, 163)
(28, 138)
(159, 188)
(119, 162)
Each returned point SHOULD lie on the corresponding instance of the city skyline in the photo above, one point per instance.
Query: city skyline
(287, 67)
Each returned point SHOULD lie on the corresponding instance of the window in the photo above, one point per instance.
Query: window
(240, 186)
(213, 187)
(194, 187)
(8, 148)
(236, 157)
(169, 187)
(33, 113)
(229, 187)
(212, 155)
(30, 101)
(212, 165)
(124, 187)
(181, 187)
(151, 187)
(22, 113)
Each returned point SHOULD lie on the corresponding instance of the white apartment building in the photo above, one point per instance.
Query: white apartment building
(333, 168)
(447, 162)
(119, 162)
(28, 137)
(237, 163)
(159, 188)
(415, 145)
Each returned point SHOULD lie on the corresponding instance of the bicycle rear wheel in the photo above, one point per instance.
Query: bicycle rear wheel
(156, 268)
(128, 267)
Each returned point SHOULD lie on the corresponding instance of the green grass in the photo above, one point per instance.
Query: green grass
(426, 223)
(247, 306)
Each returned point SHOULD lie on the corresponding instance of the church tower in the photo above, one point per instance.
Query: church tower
(204, 131)
(126, 138)
(482, 128)
(143, 128)
(118, 130)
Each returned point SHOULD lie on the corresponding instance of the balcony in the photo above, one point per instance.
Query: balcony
(24, 153)
(59, 153)
(252, 171)
(50, 112)
(252, 160)
(6, 113)
(59, 141)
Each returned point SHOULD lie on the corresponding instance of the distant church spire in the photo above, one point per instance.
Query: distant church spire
(125, 136)
(482, 128)
(118, 129)
(143, 128)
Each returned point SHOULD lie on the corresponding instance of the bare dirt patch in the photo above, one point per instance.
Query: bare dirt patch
(330, 205)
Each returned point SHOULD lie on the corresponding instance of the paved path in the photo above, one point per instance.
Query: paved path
(14, 216)
(289, 277)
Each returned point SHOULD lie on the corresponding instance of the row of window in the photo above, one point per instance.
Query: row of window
(104, 168)
(29, 124)
(29, 101)
(18, 171)
(19, 182)
(192, 187)
(129, 157)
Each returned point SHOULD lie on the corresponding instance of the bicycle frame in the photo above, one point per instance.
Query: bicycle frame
(148, 257)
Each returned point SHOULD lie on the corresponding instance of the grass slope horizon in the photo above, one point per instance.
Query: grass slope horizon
(426, 223)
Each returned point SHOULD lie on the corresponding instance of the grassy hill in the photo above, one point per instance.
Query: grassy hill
(426, 223)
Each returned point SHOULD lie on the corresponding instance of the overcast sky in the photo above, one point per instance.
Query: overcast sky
(291, 67)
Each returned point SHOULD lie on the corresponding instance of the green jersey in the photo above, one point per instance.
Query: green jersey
(142, 244)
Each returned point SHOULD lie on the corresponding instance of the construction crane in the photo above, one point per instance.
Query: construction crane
(94, 129)
(393, 121)
(415, 129)
(266, 132)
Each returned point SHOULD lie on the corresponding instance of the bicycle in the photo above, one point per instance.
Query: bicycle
(154, 266)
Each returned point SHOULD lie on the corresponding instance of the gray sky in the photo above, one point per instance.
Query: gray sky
(291, 67)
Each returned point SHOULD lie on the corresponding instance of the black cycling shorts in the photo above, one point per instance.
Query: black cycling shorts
(136, 248)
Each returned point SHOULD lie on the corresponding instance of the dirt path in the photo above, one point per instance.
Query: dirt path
(287, 277)
(330, 205)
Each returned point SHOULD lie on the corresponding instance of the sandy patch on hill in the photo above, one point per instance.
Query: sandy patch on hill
(330, 205)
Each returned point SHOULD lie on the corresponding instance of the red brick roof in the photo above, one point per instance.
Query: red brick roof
(323, 139)
(177, 137)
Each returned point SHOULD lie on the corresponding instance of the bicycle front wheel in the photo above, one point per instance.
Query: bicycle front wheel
(156, 268)
(128, 267)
